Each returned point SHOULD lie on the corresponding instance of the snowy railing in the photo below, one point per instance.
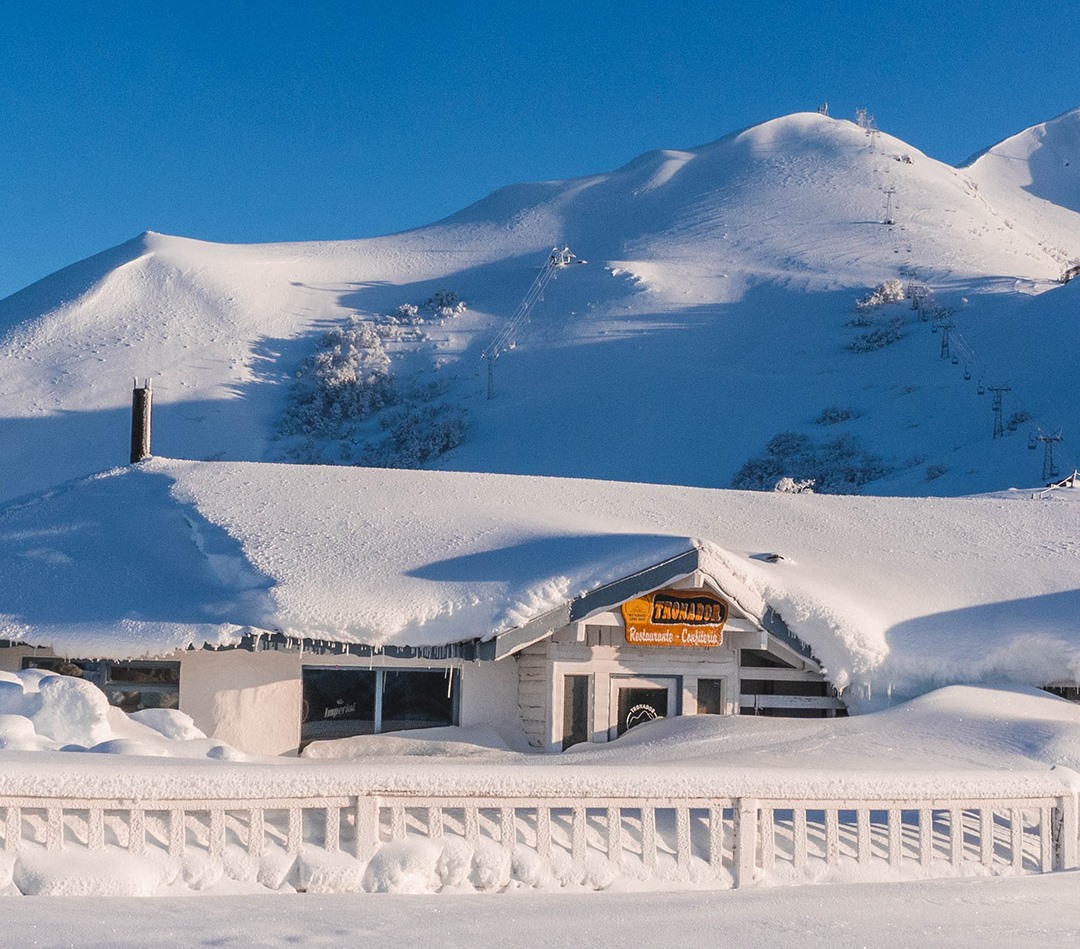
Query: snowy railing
(730, 841)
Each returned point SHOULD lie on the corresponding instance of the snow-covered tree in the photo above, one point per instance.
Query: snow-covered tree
(347, 380)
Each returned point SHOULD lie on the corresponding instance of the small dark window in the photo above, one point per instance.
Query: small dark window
(1070, 692)
(575, 710)
(137, 685)
(710, 694)
(131, 686)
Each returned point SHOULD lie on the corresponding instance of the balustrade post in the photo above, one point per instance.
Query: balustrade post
(332, 837)
(54, 828)
(137, 831)
(614, 835)
(896, 839)
(256, 831)
(294, 839)
(95, 829)
(683, 845)
(767, 839)
(367, 828)
(1016, 843)
(832, 837)
(926, 837)
(862, 833)
(507, 827)
(12, 829)
(177, 833)
(1065, 833)
(577, 835)
(746, 825)
(648, 835)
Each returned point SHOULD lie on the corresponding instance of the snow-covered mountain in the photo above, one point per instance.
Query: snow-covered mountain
(716, 312)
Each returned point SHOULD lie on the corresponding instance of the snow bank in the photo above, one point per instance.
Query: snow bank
(44, 711)
(957, 744)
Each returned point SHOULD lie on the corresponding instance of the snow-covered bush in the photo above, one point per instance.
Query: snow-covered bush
(891, 291)
(408, 313)
(877, 338)
(445, 303)
(415, 435)
(835, 466)
(348, 380)
(833, 415)
(791, 486)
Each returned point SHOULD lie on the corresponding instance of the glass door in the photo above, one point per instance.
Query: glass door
(636, 700)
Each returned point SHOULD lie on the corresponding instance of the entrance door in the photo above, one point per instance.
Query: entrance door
(636, 700)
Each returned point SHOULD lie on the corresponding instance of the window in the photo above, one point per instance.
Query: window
(710, 696)
(575, 710)
(129, 685)
(138, 685)
(340, 703)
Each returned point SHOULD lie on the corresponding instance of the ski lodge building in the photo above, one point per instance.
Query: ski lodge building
(280, 605)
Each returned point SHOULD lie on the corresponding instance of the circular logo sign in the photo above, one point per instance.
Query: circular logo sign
(639, 714)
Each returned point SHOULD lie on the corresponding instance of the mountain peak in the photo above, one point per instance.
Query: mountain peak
(1043, 160)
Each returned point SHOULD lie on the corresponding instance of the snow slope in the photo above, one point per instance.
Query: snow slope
(713, 315)
(1041, 161)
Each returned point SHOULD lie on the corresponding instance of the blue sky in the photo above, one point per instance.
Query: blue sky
(244, 121)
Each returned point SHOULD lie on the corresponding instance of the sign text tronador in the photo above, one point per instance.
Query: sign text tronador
(675, 618)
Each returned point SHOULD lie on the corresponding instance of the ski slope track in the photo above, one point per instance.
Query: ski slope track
(713, 315)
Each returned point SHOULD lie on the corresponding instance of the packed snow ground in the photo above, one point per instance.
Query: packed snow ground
(712, 316)
(1017, 913)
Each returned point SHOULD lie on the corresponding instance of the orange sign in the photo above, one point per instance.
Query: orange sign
(675, 618)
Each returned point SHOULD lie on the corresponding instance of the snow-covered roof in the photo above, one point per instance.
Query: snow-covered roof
(903, 592)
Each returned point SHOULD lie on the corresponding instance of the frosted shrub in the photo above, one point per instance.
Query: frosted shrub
(407, 313)
(415, 435)
(833, 415)
(791, 486)
(348, 380)
(891, 291)
(877, 338)
(836, 466)
(445, 303)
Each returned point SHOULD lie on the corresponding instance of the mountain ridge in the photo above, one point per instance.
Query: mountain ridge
(735, 264)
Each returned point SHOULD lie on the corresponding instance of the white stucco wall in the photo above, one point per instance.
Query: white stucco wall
(249, 700)
(11, 657)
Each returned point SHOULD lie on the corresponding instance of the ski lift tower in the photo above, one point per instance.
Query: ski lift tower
(557, 260)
